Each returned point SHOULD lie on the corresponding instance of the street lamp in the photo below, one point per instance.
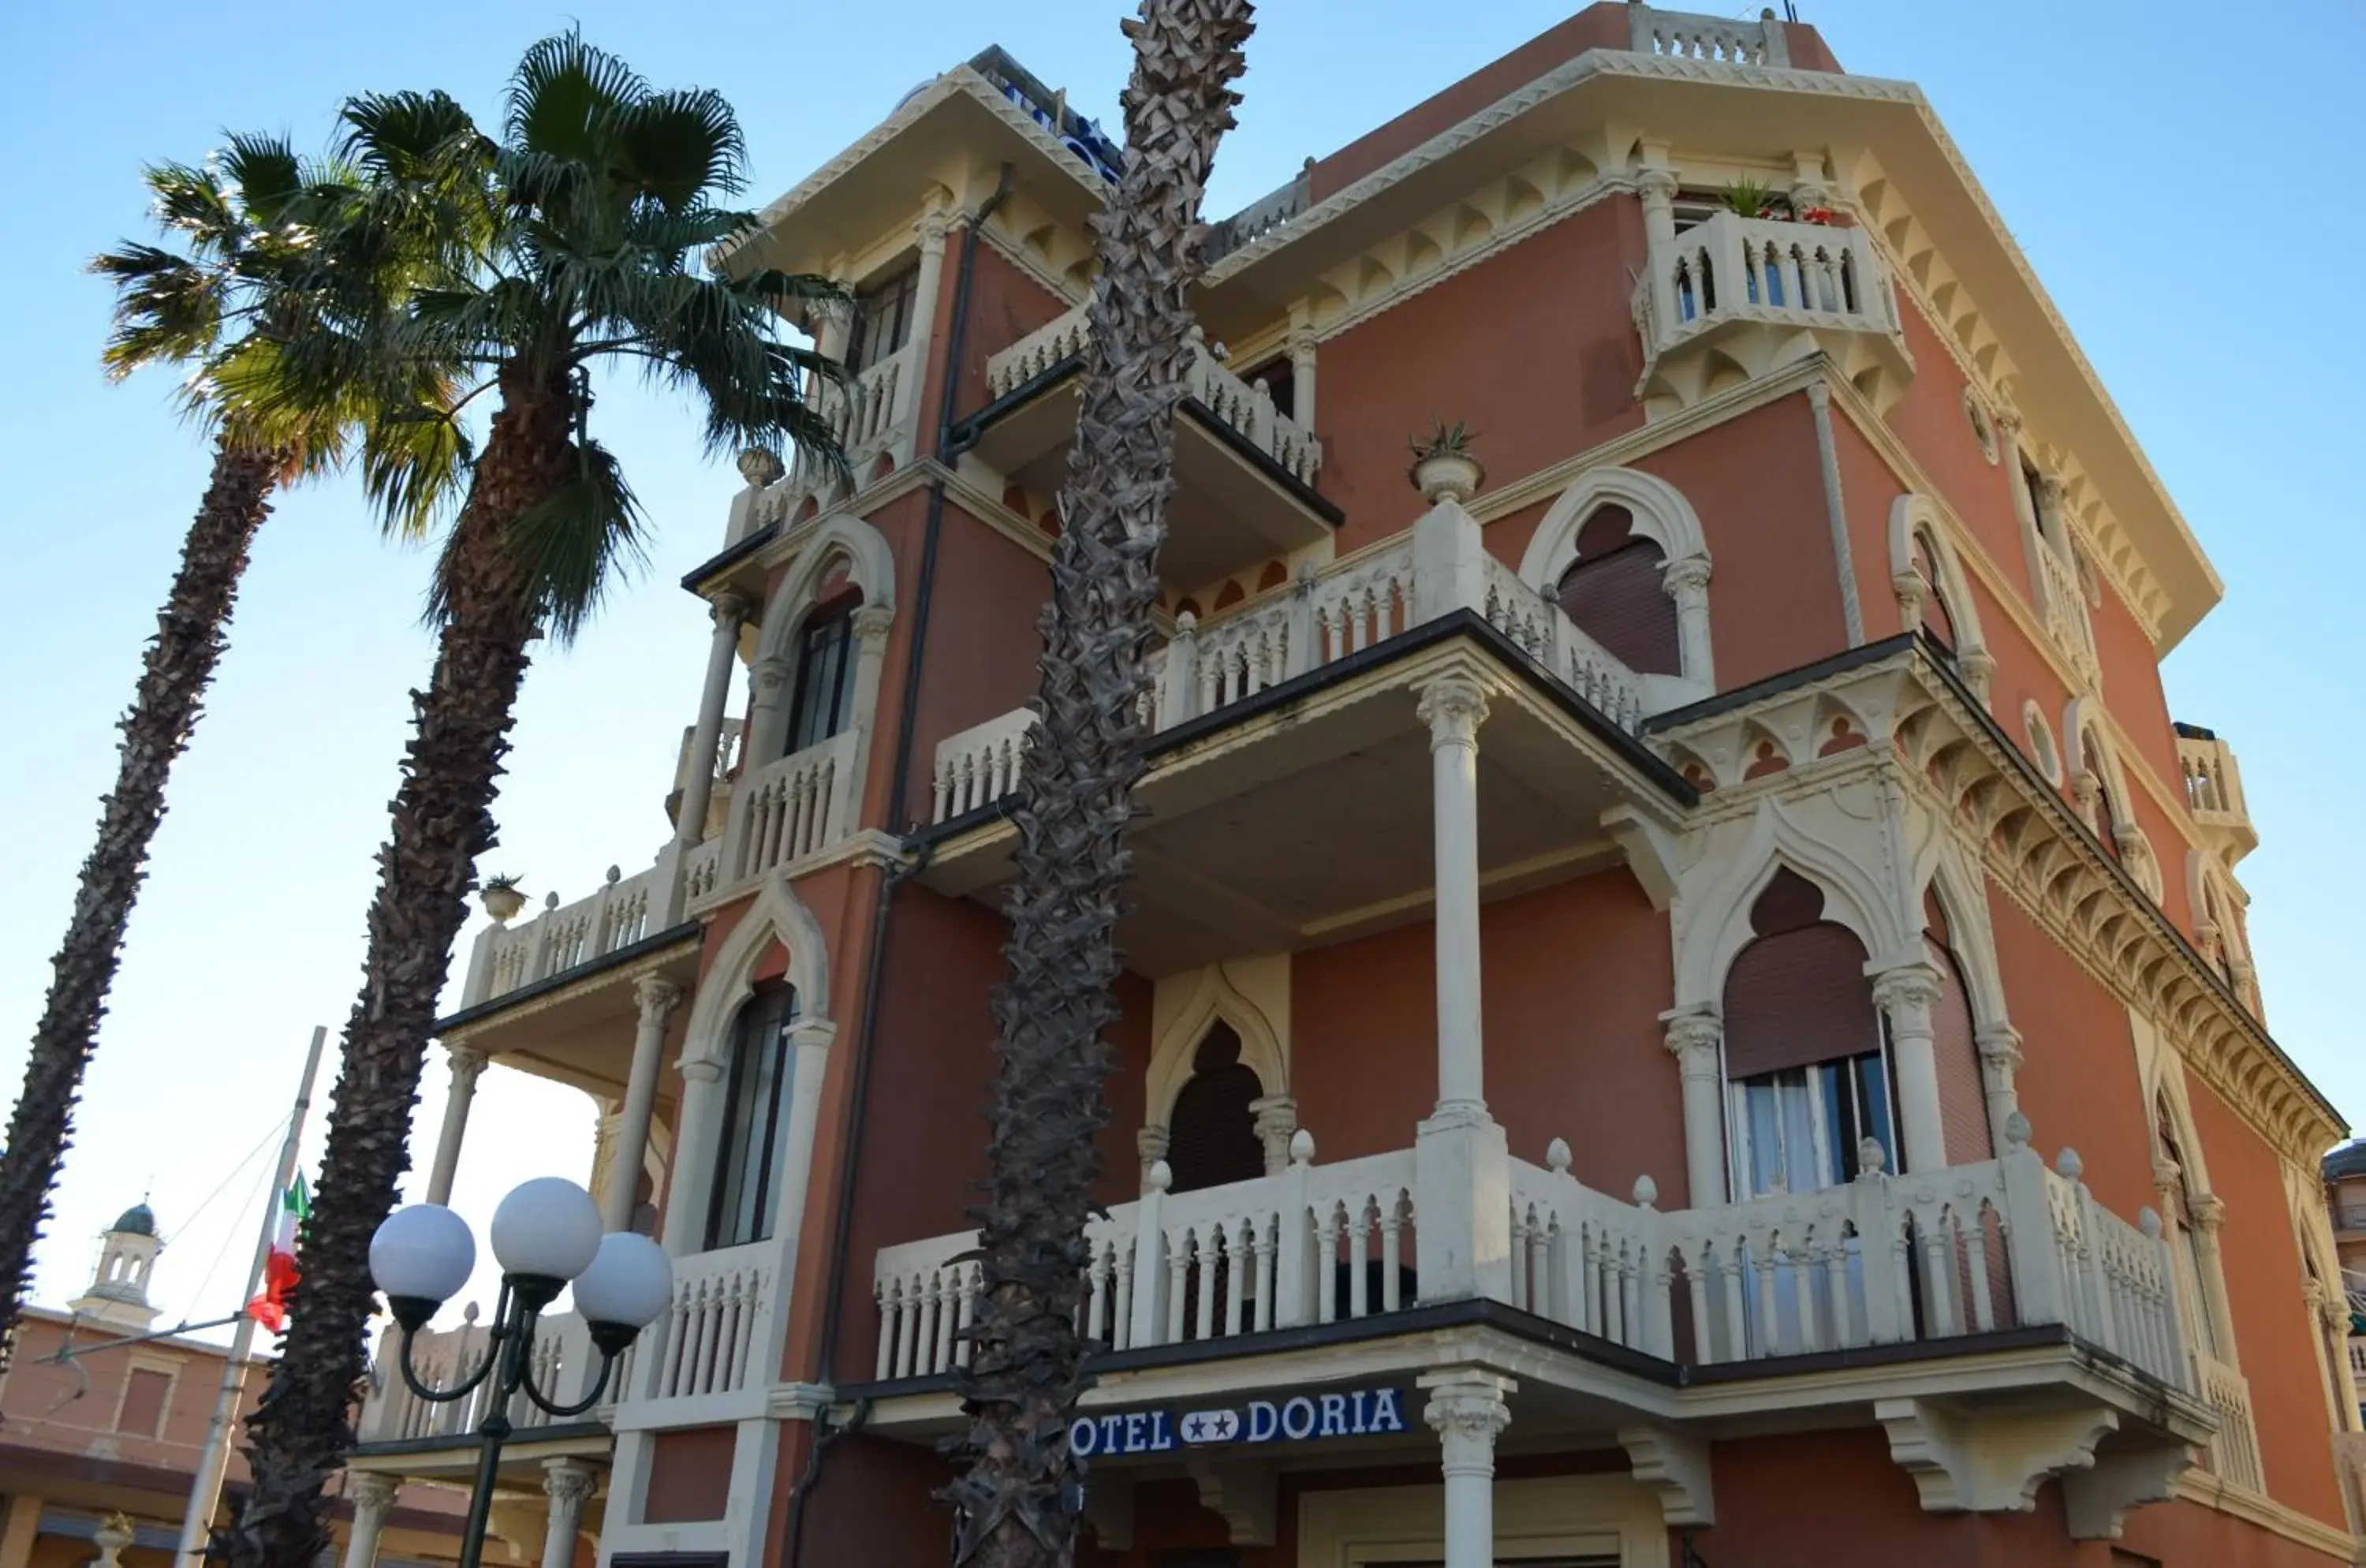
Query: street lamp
(545, 1237)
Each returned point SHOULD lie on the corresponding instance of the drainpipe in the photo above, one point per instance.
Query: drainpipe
(923, 591)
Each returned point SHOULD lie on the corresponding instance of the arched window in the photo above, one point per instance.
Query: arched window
(1806, 1073)
(2182, 1206)
(823, 702)
(755, 1116)
(1963, 1094)
(1937, 619)
(1211, 1136)
(1615, 594)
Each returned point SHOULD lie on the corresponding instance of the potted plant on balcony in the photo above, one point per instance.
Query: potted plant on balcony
(503, 898)
(1443, 467)
(1748, 198)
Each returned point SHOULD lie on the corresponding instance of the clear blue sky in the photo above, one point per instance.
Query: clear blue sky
(2169, 177)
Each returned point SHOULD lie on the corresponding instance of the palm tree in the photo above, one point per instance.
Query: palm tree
(600, 196)
(251, 268)
(1017, 1503)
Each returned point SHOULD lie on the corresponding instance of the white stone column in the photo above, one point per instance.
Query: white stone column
(658, 997)
(1907, 994)
(1454, 707)
(2000, 1048)
(1693, 1039)
(1467, 1409)
(1656, 185)
(1686, 583)
(467, 1066)
(1277, 1123)
(2209, 1215)
(729, 610)
(372, 1494)
(768, 711)
(1301, 344)
(917, 374)
(569, 1483)
(688, 1187)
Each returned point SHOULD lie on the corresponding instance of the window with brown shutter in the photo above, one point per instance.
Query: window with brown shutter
(1613, 594)
(1211, 1136)
(1963, 1097)
(144, 1396)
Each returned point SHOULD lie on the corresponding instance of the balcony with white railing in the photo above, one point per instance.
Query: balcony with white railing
(873, 413)
(2213, 792)
(1244, 471)
(563, 1365)
(564, 936)
(1723, 40)
(1735, 298)
(1357, 603)
(1970, 1251)
(716, 1352)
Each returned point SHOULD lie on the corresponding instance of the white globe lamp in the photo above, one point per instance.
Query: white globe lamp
(544, 1232)
(420, 1255)
(628, 1286)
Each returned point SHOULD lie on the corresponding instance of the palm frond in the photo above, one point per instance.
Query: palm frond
(575, 543)
(560, 92)
(266, 171)
(676, 147)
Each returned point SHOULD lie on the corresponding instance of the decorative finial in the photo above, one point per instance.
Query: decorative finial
(761, 468)
(1872, 1159)
(2017, 1131)
(2149, 1222)
(1302, 1147)
(1162, 1176)
(2067, 1164)
(613, 875)
(1646, 1191)
(1557, 1155)
(550, 899)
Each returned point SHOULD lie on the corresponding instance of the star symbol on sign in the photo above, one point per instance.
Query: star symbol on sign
(1194, 1428)
(1225, 1423)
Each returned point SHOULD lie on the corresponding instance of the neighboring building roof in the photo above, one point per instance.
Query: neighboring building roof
(137, 1220)
(2349, 1159)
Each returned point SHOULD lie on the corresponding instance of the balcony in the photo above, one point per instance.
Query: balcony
(1733, 299)
(1289, 799)
(1926, 1304)
(1244, 472)
(2214, 793)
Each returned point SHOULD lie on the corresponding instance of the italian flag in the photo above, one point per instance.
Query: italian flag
(270, 1308)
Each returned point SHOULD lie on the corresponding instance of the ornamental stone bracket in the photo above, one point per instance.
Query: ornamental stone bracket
(1248, 1496)
(1677, 1468)
(2098, 1501)
(1995, 1462)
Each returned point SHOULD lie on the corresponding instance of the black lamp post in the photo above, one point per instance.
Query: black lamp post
(545, 1237)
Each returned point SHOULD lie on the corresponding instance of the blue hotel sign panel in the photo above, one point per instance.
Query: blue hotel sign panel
(1295, 1418)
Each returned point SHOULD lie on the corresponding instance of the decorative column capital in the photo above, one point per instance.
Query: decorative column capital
(761, 468)
(2000, 1044)
(2051, 489)
(932, 228)
(569, 1483)
(698, 1070)
(1906, 988)
(1300, 345)
(1689, 575)
(1912, 592)
(2086, 789)
(1692, 1038)
(1467, 1409)
(658, 997)
(871, 622)
(2209, 1212)
(769, 674)
(1979, 667)
(727, 609)
(1656, 183)
(468, 1065)
(371, 1490)
(1453, 706)
(1819, 396)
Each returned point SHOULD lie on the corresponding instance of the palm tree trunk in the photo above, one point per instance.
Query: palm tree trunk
(173, 681)
(442, 823)
(1017, 1501)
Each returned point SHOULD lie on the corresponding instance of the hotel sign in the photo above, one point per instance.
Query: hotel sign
(1285, 1418)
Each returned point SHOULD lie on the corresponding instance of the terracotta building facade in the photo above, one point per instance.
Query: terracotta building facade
(1686, 999)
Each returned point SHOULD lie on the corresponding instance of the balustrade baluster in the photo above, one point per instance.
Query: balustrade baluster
(1392, 1243)
(1204, 1247)
(1803, 1293)
(1179, 1270)
(1326, 1263)
(1124, 1317)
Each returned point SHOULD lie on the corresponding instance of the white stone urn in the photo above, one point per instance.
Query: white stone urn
(503, 904)
(112, 1535)
(1447, 476)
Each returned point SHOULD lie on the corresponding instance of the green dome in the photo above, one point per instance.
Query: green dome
(138, 1220)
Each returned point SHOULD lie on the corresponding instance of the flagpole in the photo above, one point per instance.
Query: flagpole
(205, 1492)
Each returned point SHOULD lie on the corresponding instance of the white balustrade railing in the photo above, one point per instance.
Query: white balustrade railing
(562, 1364)
(2235, 1451)
(563, 937)
(726, 752)
(702, 868)
(1312, 1245)
(1882, 1259)
(1354, 604)
(1690, 36)
(796, 806)
(1245, 408)
(1259, 219)
(2065, 609)
(714, 1338)
(980, 765)
(2213, 785)
(1731, 268)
